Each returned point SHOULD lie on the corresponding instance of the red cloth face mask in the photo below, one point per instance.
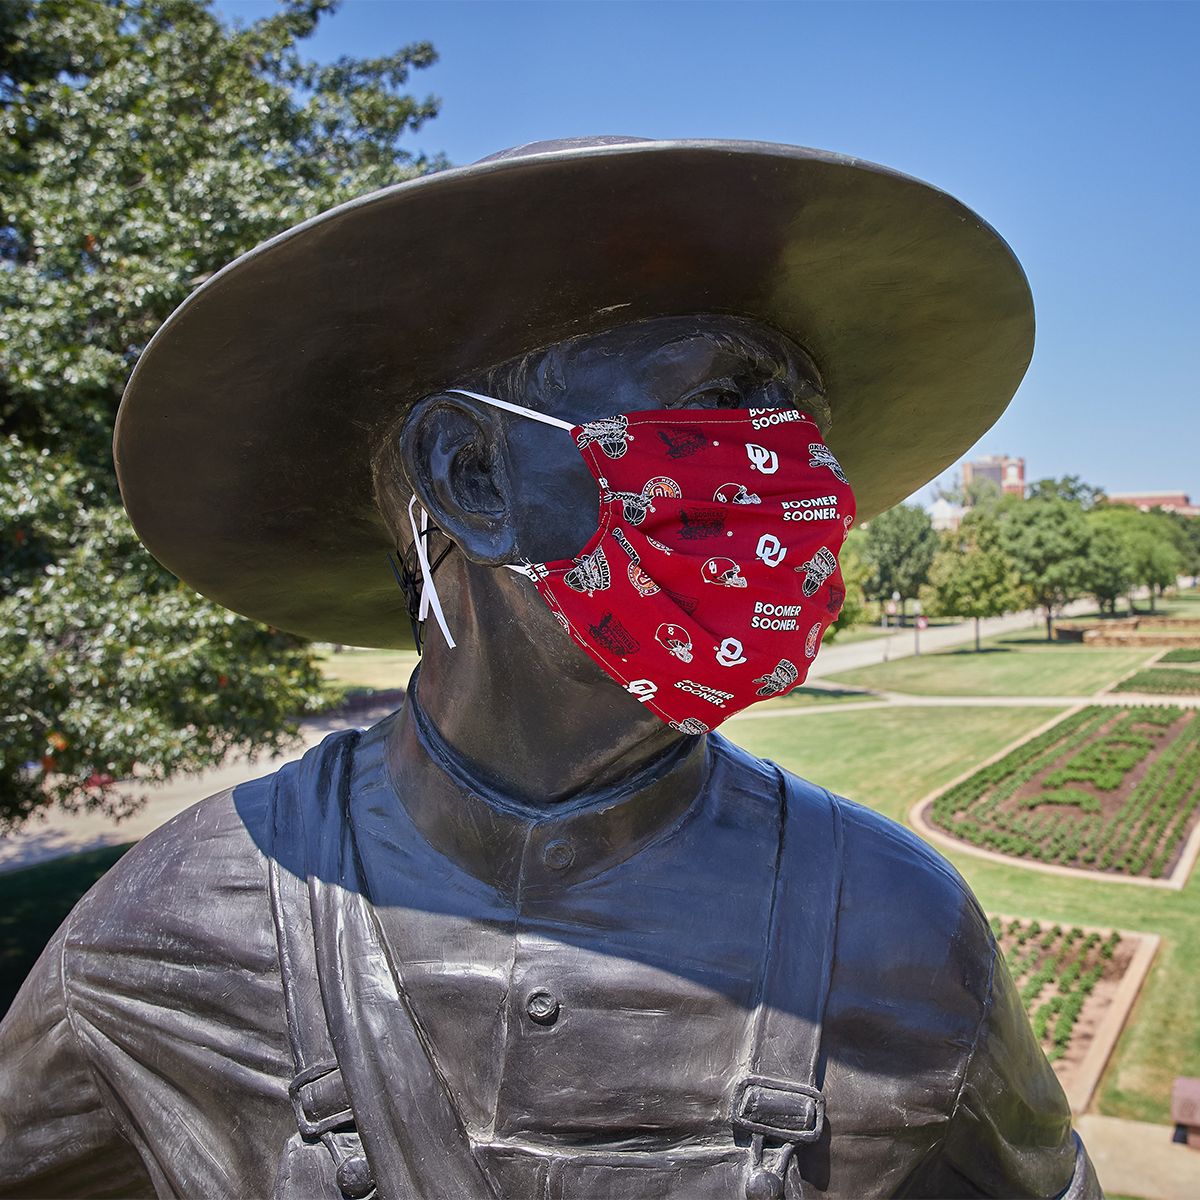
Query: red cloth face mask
(713, 573)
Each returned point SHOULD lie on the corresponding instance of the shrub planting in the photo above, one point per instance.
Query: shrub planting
(1056, 976)
(1136, 772)
(1181, 656)
(1167, 681)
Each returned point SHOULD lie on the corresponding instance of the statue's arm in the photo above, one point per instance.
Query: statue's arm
(1010, 1132)
(57, 1136)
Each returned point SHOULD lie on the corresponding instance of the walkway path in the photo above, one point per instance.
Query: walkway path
(1135, 1158)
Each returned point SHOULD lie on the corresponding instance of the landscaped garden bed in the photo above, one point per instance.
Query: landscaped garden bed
(1163, 681)
(1181, 656)
(1069, 979)
(1107, 789)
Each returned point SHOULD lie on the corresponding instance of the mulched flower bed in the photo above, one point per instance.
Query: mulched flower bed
(1169, 681)
(1057, 971)
(1106, 789)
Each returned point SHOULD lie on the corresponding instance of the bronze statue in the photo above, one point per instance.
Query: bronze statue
(528, 937)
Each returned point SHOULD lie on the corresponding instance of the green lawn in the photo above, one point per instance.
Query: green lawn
(1012, 666)
(886, 757)
(890, 758)
(378, 669)
(33, 904)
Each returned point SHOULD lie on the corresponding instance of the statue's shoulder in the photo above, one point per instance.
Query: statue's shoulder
(190, 899)
(891, 878)
(911, 933)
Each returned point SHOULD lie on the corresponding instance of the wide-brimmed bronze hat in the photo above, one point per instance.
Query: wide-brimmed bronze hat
(244, 439)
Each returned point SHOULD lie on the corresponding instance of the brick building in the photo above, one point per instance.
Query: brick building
(1008, 474)
(1169, 501)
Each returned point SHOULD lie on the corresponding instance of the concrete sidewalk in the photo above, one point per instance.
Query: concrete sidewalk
(1135, 1158)
(53, 834)
(901, 643)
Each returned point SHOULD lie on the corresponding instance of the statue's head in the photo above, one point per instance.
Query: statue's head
(513, 490)
(278, 424)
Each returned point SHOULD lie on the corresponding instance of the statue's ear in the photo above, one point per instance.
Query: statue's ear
(455, 455)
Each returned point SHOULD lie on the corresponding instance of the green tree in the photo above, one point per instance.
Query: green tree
(1186, 531)
(1151, 547)
(143, 145)
(1047, 539)
(900, 546)
(1108, 573)
(971, 575)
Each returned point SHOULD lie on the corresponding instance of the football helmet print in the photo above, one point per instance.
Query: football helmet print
(723, 571)
(677, 640)
(735, 493)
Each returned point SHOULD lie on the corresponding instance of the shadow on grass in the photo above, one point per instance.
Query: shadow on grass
(971, 652)
(33, 904)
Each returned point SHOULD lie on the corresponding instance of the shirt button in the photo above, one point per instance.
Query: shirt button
(542, 1007)
(558, 855)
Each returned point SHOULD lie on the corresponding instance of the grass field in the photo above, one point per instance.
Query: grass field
(34, 902)
(1010, 665)
(890, 758)
(378, 669)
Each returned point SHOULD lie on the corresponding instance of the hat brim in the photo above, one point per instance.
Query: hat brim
(244, 438)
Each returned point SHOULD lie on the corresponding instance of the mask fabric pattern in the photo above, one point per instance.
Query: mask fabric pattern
(713, 574)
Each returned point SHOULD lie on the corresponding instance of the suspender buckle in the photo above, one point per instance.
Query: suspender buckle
(319, 1099)
(777, 1109)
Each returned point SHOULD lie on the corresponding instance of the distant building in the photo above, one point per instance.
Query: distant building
(1008, 474)
(1167, 500)
(945, 515)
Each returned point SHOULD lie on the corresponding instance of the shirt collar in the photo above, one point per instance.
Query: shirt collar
(513, 846)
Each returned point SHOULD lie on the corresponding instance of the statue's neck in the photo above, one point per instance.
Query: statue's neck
(529, 712)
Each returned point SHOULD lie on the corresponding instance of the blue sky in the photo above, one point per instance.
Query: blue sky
(1071, 127)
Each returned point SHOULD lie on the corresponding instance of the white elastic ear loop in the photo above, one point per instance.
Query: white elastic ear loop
(428, 592)
(423, 610)
(516, 408)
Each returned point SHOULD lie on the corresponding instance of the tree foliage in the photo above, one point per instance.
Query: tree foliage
(1135, 549)
(900, 547)
(143, 145)
(971, 575)
(1047, 539)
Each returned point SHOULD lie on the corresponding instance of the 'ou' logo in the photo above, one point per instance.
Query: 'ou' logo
(770, 550)
(817, 570)
(729, 653)
(779, 680)
(643, 689)
(762, 459)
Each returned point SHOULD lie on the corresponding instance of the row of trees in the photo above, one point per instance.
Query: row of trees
(1062, 541)
(143, 145)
